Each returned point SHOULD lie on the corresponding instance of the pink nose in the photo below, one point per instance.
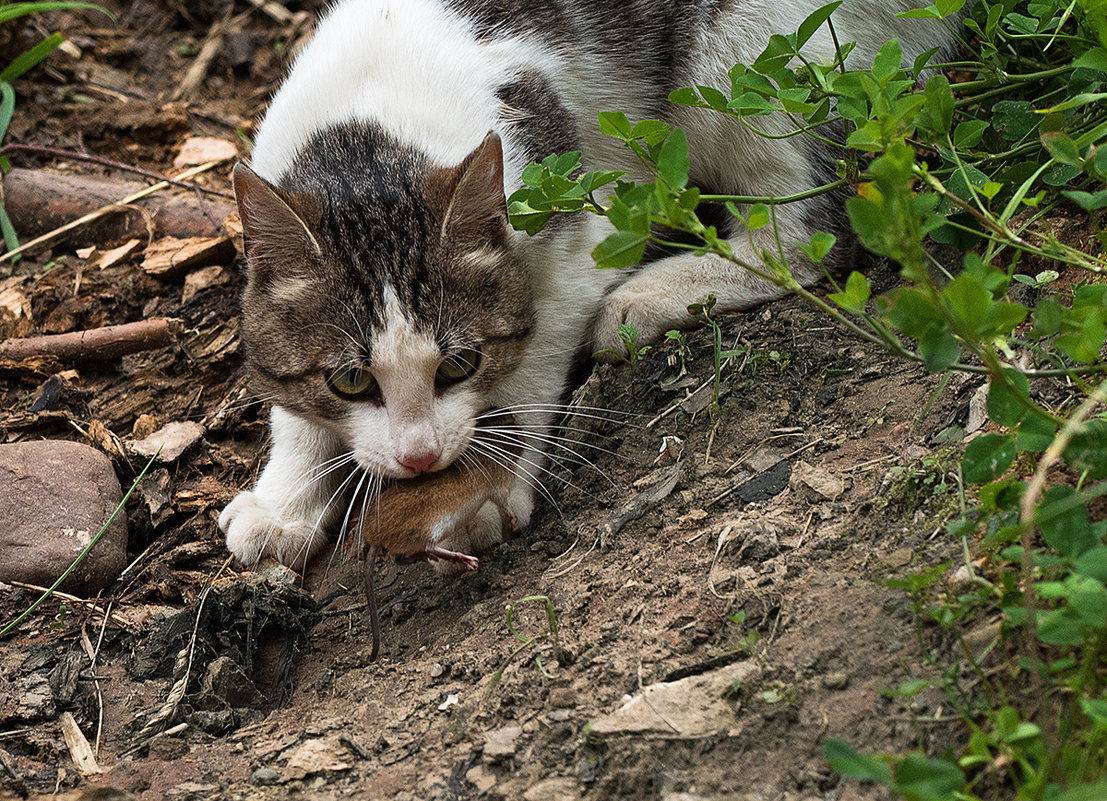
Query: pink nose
(419, 461)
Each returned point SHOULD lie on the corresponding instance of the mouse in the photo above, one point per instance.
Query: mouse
(412, 514)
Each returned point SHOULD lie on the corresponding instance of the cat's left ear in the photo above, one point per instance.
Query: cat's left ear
(476, 207)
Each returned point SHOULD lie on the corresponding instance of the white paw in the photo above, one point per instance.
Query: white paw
(255, 529)
(650, 310)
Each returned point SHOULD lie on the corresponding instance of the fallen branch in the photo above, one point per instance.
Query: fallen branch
(98, 213)
(91, 158)
(110, 342)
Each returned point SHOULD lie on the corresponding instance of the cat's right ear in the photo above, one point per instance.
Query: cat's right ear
(275, 235)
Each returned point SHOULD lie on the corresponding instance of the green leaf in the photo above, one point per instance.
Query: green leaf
(776, 54)
(1092, 563)
(1087, 450)
(615, 123)
(1094, 59)
(936, 115)
(1013, 119)
(713, 97)
(948, 7)
(684, 97)
(849, 763)
(620, 249)
(1063, 522)
(758, 216)
(7, 106)
(1084, 792)
(1087, 200)
(14, 10)
(969, 133)
(652, 131)
(820, 244)
(987, 457)
(814, 21)
(672, 161)
(888, 60)
(24, 61)
(1009, 401)
(1062, 148)
(928, 779)
(525, 218)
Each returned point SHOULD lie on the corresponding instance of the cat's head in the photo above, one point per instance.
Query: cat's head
(384, 301)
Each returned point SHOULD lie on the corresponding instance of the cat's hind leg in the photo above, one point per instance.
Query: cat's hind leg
(286, 514)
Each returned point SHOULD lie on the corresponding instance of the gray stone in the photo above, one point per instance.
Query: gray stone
(502, 742)
(265, 777)
(225, 680)
(168, 747)
(815, 484)
(689, 707)
(559, 788)
(55, 495)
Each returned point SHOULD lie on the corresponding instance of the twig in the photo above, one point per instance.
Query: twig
(109, 342)
(100, 212)
(212, 45)
(106, 162)
(106, 614)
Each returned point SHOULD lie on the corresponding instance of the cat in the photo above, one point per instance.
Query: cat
(389, 306)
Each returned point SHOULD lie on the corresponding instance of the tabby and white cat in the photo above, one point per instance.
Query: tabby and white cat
(389, 304)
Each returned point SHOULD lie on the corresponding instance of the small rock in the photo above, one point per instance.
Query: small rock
(980, 641)
(278, 574)
(816, 483)
(899, 558)
(480, 778)
(563, 698)
(265, 777)
(502, 742)
(688, 707)
(978, 410)
(836, 681)
(168, 747)
(173, 440)
(192, 791)
(559, 715)
(219, 721)
(225, 680)
(316, 756)
(559, 788)
(436, 670)
(54, 496)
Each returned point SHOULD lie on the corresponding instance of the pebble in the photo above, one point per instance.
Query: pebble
(265, 777)
(225, 680)
(816, 483)
(55, 495)
(168, 747)
(436, 670)
(502, 742)
(559, 788)
(480, 778)
(836, 681)
(563, 698)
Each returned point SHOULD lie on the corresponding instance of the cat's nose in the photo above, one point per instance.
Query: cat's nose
(419, 461)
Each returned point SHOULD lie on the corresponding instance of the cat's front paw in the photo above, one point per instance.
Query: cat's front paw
(651, 312)
(255, 529)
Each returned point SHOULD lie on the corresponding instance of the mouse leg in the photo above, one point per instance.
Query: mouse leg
(439, 553)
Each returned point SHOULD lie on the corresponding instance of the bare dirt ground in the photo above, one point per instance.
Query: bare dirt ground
(717, 567)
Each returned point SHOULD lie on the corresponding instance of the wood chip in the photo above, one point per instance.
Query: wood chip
(199, 149)
(79, 748)
(110, 258)
(203, 278)
(169, 258)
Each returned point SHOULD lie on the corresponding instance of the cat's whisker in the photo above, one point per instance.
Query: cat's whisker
(516, 437)
(507, 460)
(560, 411)
(485, 446)
(543, 435)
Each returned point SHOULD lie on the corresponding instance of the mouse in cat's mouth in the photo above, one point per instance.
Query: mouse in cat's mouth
(411, 514)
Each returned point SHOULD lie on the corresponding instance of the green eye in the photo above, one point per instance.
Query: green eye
(352, 382)
(458, 366)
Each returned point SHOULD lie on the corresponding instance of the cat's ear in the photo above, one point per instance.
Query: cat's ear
(476, 207)
(275, 232)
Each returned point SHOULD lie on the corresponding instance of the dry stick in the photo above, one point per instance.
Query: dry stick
(213, 43)
(79, 749)
(1027, 506)
(109, 342)
(106, 162)
(100, 212)
(73, 599)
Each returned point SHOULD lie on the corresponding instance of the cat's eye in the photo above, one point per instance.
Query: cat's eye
(458, 366)
(352, 382)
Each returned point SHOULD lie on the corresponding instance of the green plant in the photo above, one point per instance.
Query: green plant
(633, 352)
(1025, 136)
(524, 641)
(14, 69)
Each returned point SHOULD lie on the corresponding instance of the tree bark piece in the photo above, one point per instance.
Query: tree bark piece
(42, 200)
(110, 342)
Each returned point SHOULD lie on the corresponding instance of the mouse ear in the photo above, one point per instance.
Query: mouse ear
(275, 231)
(477, 207)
